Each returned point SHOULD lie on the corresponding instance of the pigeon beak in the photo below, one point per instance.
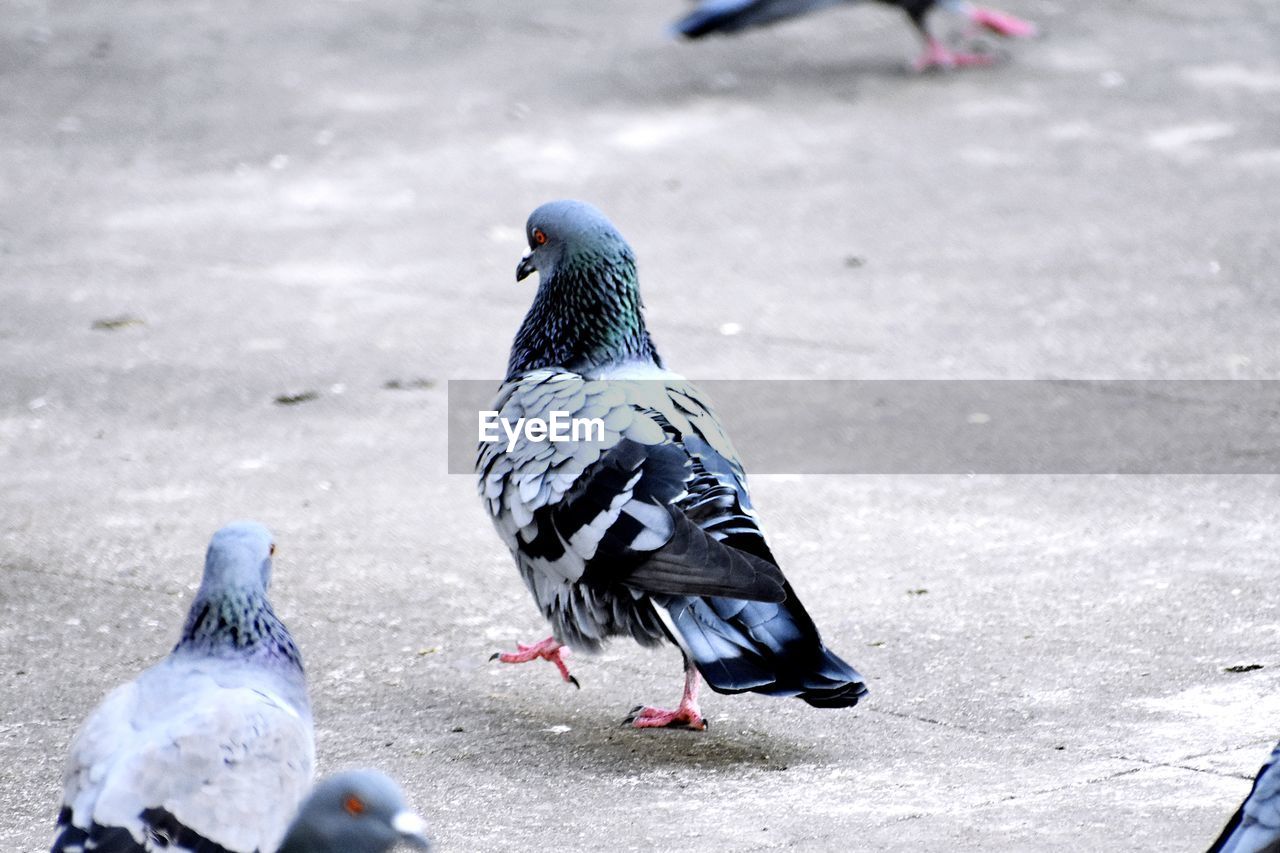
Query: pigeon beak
(412, 829)
(526, 267)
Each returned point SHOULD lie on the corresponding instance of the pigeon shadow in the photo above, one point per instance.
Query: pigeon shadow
(678, 77)
(662, 80)
(600, 742)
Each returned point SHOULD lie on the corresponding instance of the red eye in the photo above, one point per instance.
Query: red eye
(539, 236)
(272, 551)
(354, 805)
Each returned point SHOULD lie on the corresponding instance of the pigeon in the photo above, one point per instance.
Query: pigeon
(357, 811)
(730, 16)
(212, 748)
(646, 530)
(1255, 827)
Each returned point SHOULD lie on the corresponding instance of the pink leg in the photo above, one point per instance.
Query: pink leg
(1001, 22)
(938, 55)
(548, 649)
(685, 716)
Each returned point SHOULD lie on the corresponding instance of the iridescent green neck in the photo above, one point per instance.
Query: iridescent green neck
(237, 623)
(586, 316)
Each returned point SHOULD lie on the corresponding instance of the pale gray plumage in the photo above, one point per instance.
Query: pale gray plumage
(357, 811)
(210, 749)
(1255, 827)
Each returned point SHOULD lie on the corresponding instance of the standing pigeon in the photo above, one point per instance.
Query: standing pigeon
(211, 749)
(1255, 827)
(359, 811)
(730, 16)
(648, 532)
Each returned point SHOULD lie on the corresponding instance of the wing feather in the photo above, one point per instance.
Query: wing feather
(630, 509)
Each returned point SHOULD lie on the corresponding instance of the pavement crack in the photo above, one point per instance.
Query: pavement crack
(930, 720)
(1179, 766)
(1066, 787)
(111, 583)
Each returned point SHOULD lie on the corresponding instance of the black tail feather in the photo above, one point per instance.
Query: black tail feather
(163, 829)
(762, 647)
(97, 838)
(731, 16)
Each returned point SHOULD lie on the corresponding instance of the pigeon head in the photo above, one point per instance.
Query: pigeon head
(231, 615)
(359, 811)
(240, 555)
(587, 312)
(561, 232)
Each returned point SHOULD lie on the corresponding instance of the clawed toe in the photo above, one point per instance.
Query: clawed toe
(686, 715)
(549, 650)
(642, 717)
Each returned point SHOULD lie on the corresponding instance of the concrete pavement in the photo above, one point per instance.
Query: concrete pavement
(208, 207)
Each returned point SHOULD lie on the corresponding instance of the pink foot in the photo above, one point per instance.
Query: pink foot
(938, 56)
(645, 717)
(685, 716)
(548, 649)
(1002, 23)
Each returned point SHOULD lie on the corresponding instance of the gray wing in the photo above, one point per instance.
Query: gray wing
(179, 755)
(731, 16)
(1255, 827)
(628, 508)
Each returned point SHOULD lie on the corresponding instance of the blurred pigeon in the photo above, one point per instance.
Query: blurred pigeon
(650, 531)
(359, 811)
(730, 16)
(211, 749)
(1255, 827)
